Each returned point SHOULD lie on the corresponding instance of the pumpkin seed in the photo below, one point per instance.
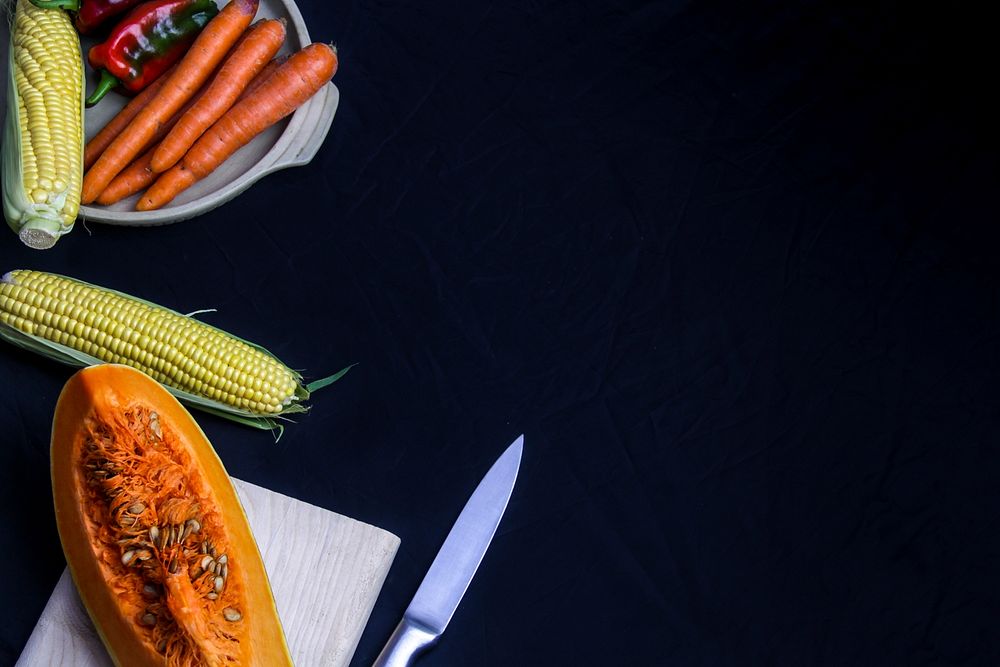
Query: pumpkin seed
(190, 526)
(231, 614)
(127, 557)
(219, 583)
(154, 535)
(223, 559)
(154, 425)
(212, 596)
(206, 561)
(136, 508)
(148, 619)
(225, 571)
(150, 591)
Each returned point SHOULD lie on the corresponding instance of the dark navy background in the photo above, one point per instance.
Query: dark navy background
(732, 269)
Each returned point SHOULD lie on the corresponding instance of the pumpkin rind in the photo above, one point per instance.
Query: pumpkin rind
(98, 395)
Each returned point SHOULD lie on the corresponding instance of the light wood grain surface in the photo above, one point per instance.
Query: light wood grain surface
(326, 571)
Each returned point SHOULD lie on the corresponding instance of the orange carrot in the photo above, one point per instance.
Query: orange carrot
(131, 179)
(207, 51)
(246, 33)
(168, 185)
(294, 82)
(291, 85)
(259, 80)
(238, 70)
(103, 139)
(139, 174)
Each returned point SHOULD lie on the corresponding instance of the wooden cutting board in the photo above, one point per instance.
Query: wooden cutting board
(326, 571)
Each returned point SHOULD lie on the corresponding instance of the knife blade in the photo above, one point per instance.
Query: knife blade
(455, 564)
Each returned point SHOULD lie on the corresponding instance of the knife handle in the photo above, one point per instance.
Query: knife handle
(407, 640)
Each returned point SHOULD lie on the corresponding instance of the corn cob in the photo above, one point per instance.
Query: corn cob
(78, 323)
(43, 133)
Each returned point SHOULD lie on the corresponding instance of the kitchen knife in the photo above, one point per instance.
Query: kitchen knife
(455, 564)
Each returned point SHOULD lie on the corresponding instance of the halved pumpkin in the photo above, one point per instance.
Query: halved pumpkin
(154, 534)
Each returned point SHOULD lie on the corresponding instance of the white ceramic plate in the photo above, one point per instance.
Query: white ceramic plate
(292, 142)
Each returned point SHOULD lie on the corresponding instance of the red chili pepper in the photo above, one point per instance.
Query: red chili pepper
(150, 39)
(93, 13)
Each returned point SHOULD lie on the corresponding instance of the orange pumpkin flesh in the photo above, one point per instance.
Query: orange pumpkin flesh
(154, 534)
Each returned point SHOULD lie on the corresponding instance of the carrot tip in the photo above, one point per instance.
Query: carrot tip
(247, 6)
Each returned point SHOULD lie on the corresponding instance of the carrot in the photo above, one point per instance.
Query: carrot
(131, 179)
(139, 174)
(103, 139)
(246, 33)
(259, 80)
(174, 180)
(208, 49)
(168, 185)
(237, 44)
(238, 70)
(292, 83)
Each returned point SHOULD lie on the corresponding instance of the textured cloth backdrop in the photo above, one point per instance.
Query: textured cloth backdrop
(731, 267)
